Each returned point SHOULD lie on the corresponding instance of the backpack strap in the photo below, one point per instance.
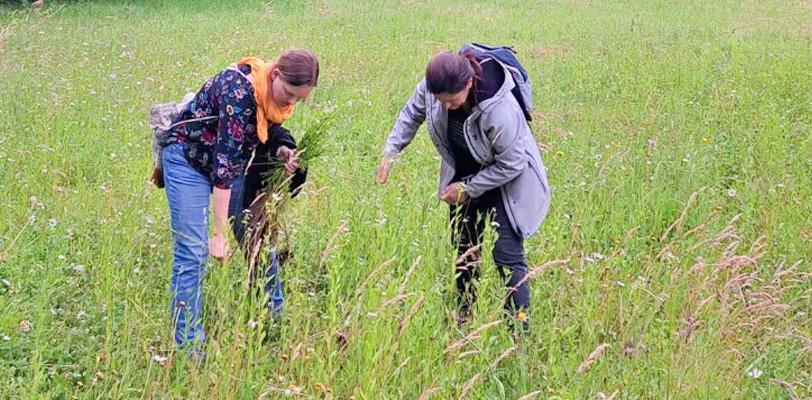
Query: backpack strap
(234, 67)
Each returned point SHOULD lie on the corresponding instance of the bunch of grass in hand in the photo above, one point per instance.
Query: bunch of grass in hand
(265, 220)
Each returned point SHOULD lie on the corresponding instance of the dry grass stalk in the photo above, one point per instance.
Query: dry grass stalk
(536, 271)
(476, 378)
(252, 263)
(666, 252)
(792, 273)
(690, 325)
(728, 233)
(807, 346)
(759, 246)
(768, 304)
(412, 311)
(697, 229)
(697, 266)
(264, 216)
(502, 357)
(466, 390)
(471, 336)
(330, 243)
(731, 249)
(409, 274)
(530, 395)
(786, 385)
(402, 365)
(470, 251)
(736, 352)
(703, 225)
(629, 234)
(594, 356)
(429, 392)
(395, 300)
(467, 353)
(677, 224)
(703, 302)
(608, 162)
(363, 287)
(749, 303)
(735, 284)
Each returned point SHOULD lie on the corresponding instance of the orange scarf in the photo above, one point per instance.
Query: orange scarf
(267, 109)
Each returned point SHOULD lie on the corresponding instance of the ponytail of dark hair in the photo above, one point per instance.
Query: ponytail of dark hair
(474, 63)
(449, 72)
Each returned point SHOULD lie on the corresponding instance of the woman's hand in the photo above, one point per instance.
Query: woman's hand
(291, 163)
(382, 174)
(218, 247)
(454, 194)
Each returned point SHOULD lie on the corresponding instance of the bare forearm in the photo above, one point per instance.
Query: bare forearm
(220, 210)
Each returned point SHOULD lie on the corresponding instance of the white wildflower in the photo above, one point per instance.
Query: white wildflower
(755, 373)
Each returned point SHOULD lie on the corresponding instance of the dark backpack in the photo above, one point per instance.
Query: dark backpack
(523, 92)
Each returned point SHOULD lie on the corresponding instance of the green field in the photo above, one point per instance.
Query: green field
(677, 140)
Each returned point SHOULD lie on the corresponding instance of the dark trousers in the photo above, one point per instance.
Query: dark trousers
(236, 209)
(468, 224)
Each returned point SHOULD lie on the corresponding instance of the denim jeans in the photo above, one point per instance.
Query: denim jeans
(188, 194)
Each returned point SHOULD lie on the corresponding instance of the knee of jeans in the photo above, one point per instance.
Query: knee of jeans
(510, 257)
(190, 252)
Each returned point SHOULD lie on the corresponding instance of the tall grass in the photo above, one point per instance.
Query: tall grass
(676, 135)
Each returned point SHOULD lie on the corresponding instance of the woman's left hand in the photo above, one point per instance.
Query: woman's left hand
(454, 194)
(291, 163)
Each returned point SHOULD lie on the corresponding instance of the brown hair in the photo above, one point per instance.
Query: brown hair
(449, 72)
(298, 67)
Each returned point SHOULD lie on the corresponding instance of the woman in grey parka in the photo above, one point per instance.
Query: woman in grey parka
(491, 166)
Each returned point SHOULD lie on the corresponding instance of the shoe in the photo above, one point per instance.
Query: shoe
(464, 315)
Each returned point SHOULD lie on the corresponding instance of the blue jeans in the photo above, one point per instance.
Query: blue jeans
(188, 193)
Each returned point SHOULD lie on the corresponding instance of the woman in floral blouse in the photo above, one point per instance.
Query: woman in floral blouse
(209, 145)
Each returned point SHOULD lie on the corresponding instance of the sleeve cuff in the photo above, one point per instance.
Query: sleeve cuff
(223, 184)
(471, 190)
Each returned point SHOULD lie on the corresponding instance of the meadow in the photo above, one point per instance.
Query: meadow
(674, 263)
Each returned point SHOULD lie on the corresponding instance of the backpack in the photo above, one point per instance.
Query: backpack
(160, 121)
(523, 92)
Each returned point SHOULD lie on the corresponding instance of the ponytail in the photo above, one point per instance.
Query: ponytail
(449, 72)
(473, 63)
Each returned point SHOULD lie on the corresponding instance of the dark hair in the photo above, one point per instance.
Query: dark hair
(298, 67)
(449, 72)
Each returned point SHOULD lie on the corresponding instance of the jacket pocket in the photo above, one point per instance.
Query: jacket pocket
(528, 199)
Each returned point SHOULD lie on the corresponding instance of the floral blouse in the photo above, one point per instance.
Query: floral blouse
(219, 126)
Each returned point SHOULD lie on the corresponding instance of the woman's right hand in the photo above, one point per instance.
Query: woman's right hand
(382, 174)
(218, 247)
(289, 156)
